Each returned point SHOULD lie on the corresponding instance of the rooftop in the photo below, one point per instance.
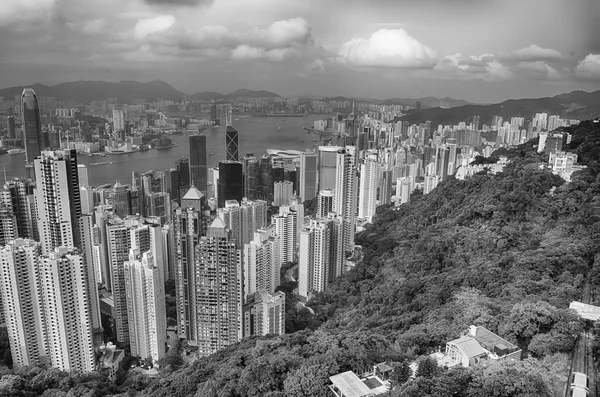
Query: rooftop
(469, 346)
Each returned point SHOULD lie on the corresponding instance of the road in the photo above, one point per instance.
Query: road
(583, 360)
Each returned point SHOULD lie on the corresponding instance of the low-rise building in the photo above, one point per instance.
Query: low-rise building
(373, 383)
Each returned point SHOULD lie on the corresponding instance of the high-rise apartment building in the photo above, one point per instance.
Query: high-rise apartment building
(324, 203)
(8, 225)
(251, 177)
(218, 290)
(18, 194)
(58, 200)
(369, 182)
(21, 299)
(146, 309)
(262, 262)
(345, 200)
(385, 186)
(118, 120)
(265, 314)
(282, 193)
(67, 310)
(198, 162)
(243, 219)
(286, 227)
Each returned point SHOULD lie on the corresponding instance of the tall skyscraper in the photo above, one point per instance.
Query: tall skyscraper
(231, 182)
(12, 129)
(8, 225)
(67, 314)
(118, 120)
(286, 227)
(251, 177)
(156, 199)
(282, 193)
(262, 263)
(243, 219)
(369, 182)
(198, 164)
(314, 257)
(344, 200)
(58, 200)
(218, 294)
(324, 203)
(231, 144)
(189, 224)
(183, 170)
(32, 126)
(327, 166)
(146, 310)
(18, 194)
(21, 301)
(385, 187)
(308, 176)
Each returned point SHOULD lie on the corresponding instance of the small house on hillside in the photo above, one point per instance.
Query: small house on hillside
(373, 383)
(479, 345)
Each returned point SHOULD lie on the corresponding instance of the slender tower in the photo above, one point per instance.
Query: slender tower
(32, 128)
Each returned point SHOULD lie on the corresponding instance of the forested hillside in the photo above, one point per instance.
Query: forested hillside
(508, 252)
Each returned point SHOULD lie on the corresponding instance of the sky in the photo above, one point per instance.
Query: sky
(479, 50)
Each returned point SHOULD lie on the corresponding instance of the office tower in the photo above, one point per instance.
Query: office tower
(265, 315)
(213, 114)
(324, 203)
(66, 304)
(21, 298)
(146, 309)
(443, 163)
(218, 293)
(183, 169)
(58, 200)
(231, 181)
(18, 194)
(118, 120)
(12, 129)
(308, 176)
(156, 199)
(266, 178)
(344, 196)
(231, 144)
(283, 192)
(172, 183)
(385, 187)
(251, 177)
(369, 182)
(262, 263)
(286, 227)
(33, 138)
(327, 166)
(198, 165)
(8, 225)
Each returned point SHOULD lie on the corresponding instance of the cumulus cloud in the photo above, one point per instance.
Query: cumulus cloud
(387, 48)
(283, 33)
(539, 69)
(317, 66)
(93, 26)
(485, 67)
(589, 67)
(277, 54)
(145, 27)
(19, 10)
(535, 53)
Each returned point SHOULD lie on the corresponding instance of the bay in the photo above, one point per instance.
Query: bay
(256, 135)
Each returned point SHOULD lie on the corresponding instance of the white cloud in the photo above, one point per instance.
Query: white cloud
(535, 53)
(589, 67)
(387, 48)
(277, 54)
(483, 67)
(317, 66)
(146, 27)
(282, 33)
(91, 27)
(539, 68)
(18, 10)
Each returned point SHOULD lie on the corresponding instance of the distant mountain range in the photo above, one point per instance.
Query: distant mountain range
(578, 105)
(427, 102)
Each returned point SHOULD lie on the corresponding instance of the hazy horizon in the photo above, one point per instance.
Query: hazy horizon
(480, 51)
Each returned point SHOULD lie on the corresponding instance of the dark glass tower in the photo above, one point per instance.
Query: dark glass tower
(231, 144)
(198, 167)
(183, 170)
(231, 182)
(32, 127)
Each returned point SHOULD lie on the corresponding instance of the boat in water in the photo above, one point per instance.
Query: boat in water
(102, 163)
(13, 152)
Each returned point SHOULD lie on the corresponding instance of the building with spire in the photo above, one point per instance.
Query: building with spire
(33, 137)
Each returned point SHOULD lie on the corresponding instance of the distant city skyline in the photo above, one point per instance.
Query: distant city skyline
(375, 49)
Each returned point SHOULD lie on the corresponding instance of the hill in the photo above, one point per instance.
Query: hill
(506, 251)
(87, 91)
(426, 102)
(245, 93)
(574, 105)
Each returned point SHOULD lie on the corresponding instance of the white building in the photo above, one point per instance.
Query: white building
(283, 192)
(118, 120)
(146, 309)
(369, 182)
(262, 262)
(345, 200)
(286, 227)
(269, 313)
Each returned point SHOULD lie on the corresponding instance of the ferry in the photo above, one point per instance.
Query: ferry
(12, 152)
(102, 163)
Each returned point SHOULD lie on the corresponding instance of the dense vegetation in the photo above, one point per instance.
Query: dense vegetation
(508, 252)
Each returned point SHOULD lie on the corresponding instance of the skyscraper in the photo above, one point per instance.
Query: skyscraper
(32, 126)
(67, 314)
(344, 200)
(308, 176)
(8, 225)
(286, 227)
(230, 182)
(251, 177)
(324, 203)
(265, 315)
(18, 194)
(231, 144)
(183, 170)
(243, 219)
(198, 165)
(262, 263)
(12, 130)
(218, 294)
(58, 200)
(21, 298)
(369, 182)
(118, 120)
(327, 166)
(146, 310)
